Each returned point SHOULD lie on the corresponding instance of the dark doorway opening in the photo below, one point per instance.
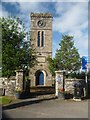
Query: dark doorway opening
(39, 78)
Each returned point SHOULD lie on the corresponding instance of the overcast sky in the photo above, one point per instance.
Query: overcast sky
(69, 18)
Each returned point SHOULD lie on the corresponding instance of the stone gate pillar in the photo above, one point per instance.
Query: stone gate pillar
(59, 81)
(19, 79)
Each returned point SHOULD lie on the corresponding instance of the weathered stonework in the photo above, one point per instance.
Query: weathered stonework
(44, 51)
(8, 86)
(69, 85)
(62, 83)
(58, 82)
(19, 79)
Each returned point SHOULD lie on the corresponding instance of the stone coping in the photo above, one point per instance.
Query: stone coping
(45, 15)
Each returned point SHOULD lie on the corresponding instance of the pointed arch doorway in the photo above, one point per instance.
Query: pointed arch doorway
(40, 77)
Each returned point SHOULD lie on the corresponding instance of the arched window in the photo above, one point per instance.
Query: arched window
(38, 42)
(40, 78)
(42, 42)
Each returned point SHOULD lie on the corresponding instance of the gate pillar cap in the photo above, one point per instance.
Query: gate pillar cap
(20, 70)
(60, 71)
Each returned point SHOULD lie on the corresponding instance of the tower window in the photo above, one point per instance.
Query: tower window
(42, 41)
(38, 39)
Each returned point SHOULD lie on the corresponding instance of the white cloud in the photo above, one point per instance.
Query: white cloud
(25, 10)
(28, 1)
(81, 42)
(73, 19)
(45, 0)
(28, 7)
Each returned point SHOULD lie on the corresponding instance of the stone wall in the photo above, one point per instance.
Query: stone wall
(64, 84)
(69, 85)
(10, 87)
(7, 86)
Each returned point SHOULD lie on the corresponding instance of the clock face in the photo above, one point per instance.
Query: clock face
(41, 23)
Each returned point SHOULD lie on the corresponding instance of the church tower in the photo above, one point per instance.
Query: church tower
(41, 38)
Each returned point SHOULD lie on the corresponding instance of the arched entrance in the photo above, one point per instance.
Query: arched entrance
(39, 78)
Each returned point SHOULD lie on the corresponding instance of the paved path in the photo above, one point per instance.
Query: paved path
(55, 108)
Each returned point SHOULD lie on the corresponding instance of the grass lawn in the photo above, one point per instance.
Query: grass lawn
(6, 100)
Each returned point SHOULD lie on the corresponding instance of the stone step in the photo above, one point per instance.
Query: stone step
(46, 97)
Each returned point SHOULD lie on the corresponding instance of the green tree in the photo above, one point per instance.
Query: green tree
(78, 75)
(16, 50)
(67, 56)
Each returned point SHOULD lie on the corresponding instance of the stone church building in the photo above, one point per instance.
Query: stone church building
(41, 39)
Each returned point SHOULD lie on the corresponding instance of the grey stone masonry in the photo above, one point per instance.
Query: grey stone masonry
(69, 85)
(44, 51)
(8, 86)
(19, 79)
